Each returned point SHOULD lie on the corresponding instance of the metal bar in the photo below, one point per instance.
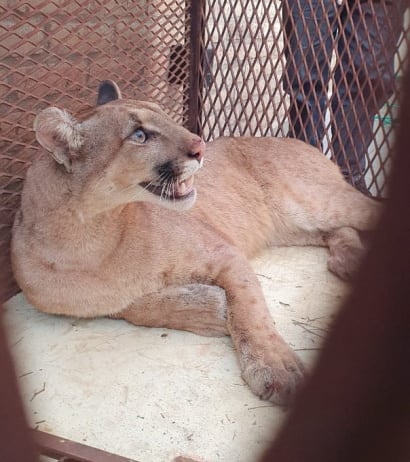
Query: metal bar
(67, 450)
(195, 11)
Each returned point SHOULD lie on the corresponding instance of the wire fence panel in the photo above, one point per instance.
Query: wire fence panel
(56, 53)
(313, 69)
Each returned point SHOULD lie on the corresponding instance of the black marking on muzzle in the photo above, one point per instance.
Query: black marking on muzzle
(168, 171)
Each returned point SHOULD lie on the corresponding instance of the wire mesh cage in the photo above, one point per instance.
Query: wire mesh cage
(323, 72)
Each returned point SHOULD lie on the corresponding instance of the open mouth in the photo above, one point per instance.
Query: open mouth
(172, 189)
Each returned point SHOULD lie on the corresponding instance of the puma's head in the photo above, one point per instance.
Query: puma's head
(123, 151)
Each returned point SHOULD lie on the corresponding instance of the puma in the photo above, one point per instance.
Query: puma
(112, 223)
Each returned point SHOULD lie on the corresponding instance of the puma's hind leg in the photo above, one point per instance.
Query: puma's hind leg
(346, 252)
(197, 308)
(337, 220)
(349, 215)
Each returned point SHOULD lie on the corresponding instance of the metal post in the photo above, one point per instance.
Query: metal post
(195, 37)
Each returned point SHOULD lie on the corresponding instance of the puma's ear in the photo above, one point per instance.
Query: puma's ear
(108, 91)
(59, 133)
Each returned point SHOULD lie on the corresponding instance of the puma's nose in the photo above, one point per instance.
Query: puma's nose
(197, 149)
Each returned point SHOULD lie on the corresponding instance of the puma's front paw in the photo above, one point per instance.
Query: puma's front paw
(273, 373)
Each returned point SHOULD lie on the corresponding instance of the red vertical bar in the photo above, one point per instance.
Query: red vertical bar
(195, 11)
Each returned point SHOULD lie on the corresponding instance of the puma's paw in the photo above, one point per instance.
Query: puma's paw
(273, 374)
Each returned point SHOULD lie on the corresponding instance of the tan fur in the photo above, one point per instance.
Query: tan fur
(91, 241)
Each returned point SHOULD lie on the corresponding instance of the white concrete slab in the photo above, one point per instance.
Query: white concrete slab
(153, 394)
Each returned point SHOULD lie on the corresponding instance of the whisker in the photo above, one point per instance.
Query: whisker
(128, 188)
(170, 188)
(166, 189)
(163, 180)
(163, 190)
(173, 190)
(166, 181)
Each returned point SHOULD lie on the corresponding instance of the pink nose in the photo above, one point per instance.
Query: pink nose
(197, 148)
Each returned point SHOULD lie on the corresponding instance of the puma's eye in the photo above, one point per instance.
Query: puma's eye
(139, 136)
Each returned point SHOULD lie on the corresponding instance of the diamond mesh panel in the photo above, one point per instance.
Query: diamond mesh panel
(323, 73)
(56, 53)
